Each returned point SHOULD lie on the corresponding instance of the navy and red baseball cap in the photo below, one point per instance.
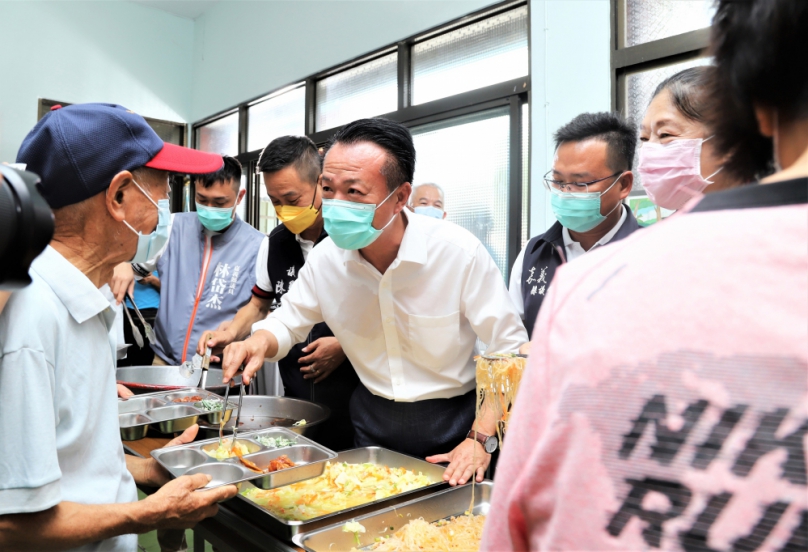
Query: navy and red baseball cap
(78, 149)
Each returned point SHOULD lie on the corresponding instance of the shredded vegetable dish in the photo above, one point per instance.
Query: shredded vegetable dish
(341, 486)
(461, 533)
(223, 450)
(498, 378)
(275, 442)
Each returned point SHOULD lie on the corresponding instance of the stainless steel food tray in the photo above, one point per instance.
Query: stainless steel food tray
(437, 506)
(159, 411)
(308, 456)
(265, 412)
(286, 529)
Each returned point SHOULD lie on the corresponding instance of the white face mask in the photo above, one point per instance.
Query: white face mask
(671, 173)
(149, 245)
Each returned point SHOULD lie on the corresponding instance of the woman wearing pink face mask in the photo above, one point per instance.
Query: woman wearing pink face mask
(677, 158)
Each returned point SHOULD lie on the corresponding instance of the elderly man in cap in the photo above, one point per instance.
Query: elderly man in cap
(65, 482)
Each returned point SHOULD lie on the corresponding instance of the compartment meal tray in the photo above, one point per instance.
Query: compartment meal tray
(286, 529)
(159, 411)
(308, 456)
(437, 506)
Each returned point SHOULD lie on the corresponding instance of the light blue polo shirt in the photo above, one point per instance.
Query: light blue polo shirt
(59, 436)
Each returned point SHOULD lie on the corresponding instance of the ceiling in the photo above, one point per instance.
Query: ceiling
(189, 9)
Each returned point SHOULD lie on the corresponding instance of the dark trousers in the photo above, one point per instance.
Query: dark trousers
(422, 428)
(136, 356)
(335, 392)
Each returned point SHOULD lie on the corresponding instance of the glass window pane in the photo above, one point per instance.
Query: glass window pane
(219, 136)
(525, 172)
(640, 86)
(266, 212)
(648, 20)
(481, 54)
(241, 208)
(476, 181)
(281, 115)
(367, 90)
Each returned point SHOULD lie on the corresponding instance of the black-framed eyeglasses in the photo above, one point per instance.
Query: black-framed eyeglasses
(574, 187)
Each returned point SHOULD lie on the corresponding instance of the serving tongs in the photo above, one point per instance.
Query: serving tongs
(135, 330)
(501, 357)
(224, 408)
(206, 363)
(238, 415)
(146, 326)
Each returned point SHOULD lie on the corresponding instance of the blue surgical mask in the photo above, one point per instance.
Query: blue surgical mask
(579, 212)
(350, 224)
(429, 211)
(215, 219)
(150, 244)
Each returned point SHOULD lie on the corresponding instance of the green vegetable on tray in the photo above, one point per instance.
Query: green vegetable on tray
(275, 442)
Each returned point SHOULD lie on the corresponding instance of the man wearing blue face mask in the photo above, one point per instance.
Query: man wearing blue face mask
(207, 268)
(427, 199)
(590, 178)
(406, 296)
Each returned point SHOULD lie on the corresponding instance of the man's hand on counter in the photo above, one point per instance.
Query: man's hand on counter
(122, 282)
(323, 357)
(124, 392)
(250, 353)
(464, 461)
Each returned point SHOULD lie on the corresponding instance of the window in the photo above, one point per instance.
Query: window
(476, 68)
(647, 21)
(487, 52)
(654, 40)
(169, 131)
(278, 115)
(475, 182)
(366, 90)
(219, 136)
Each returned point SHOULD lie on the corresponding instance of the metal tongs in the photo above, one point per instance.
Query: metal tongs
(135, 330)
(224, 409)
(206, 364)
(146, 326)
(238, 415)
(511, 355)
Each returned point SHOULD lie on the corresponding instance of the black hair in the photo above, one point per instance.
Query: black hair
(619, 135)
(394, 137)
(761, 54)
(230, 172)
(297, 151)
(687, 89)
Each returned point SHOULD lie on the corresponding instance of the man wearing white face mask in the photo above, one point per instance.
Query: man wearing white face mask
(427, 199)
(211, 247)
(65, 482)
(676, 144)
(590, 178)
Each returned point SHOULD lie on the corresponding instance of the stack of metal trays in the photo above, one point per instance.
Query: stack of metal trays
(435, 507)
(167, 412)
(193, 458)
(286, 529)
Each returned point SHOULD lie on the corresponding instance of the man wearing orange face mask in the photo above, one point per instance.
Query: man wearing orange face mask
(291, 167)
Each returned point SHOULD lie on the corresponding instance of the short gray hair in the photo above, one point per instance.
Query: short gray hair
(431, 184)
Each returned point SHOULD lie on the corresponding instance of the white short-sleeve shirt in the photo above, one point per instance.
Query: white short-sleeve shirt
(261, 272)
(58, 400)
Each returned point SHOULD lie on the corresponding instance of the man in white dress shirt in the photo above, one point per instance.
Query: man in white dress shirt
(406, 296)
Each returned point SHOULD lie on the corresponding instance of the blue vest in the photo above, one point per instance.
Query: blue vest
(228, 260)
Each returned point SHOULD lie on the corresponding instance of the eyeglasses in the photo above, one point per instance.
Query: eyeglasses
(574, 187)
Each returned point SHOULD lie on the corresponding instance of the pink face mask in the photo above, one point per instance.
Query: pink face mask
(671, 173)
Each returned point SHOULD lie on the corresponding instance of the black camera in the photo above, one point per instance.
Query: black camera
(26, 226)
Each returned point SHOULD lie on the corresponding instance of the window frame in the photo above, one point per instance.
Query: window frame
(513, 93)
(648, 55)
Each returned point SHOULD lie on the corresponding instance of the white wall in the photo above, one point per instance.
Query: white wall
(244, 49)
(569, 75)
(80, 51)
